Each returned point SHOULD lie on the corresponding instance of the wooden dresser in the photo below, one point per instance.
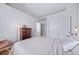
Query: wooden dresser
(25, 33)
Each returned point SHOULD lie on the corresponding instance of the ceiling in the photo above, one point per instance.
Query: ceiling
(38, 9)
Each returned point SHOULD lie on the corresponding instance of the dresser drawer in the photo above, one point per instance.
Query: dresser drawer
(25, 33)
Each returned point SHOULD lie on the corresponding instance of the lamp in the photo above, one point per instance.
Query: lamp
(76, 29)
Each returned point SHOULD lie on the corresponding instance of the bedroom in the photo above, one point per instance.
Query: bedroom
(49, 28)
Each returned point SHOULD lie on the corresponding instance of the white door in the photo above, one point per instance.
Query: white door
(58, 26)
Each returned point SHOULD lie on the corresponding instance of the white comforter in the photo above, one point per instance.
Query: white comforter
(37, 46)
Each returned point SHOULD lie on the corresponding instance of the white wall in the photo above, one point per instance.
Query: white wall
(70, 10)
(10, 18)
(78, 15)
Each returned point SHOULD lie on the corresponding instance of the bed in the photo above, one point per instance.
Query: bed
(45, 46)
(37, 46)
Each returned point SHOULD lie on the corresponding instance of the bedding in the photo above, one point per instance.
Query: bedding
(37, 46)
(45, 46)
(69, 46)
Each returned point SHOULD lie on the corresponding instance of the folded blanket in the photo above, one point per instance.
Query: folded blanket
(69, 46)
